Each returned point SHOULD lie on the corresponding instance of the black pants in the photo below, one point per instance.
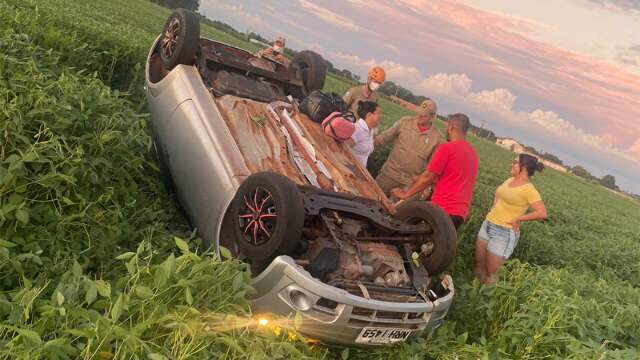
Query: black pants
(457, 220)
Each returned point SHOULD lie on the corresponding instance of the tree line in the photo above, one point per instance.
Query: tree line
(608, 180)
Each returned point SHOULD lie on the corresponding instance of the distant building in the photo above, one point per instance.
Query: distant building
(554, 166)
(510, 144)
(516, 147)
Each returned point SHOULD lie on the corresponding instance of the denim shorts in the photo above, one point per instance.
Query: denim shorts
(500, 240)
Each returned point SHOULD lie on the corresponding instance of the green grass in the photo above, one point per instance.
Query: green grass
(96, 263)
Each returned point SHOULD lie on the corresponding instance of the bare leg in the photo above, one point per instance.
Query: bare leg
(480, 270)
(494, 263)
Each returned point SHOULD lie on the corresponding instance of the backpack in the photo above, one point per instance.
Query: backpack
(318, 105)
(339, 126)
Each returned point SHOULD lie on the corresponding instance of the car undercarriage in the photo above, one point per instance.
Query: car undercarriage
(258, 177)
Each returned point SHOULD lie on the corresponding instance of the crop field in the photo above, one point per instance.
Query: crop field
(96, 261)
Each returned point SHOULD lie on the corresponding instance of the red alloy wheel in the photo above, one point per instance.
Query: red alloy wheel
(258, 216)
(170, 38)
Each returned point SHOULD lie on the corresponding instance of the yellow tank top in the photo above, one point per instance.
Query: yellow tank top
(512, 202)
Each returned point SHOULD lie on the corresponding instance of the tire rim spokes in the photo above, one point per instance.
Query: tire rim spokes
(258, 216)
(170, 38)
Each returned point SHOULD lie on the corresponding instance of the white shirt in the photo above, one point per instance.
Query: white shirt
(363, 142)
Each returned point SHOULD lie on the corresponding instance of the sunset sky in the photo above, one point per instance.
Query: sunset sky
(563, 77)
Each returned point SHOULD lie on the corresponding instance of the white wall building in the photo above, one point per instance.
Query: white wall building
(516, 147)
(510, 144)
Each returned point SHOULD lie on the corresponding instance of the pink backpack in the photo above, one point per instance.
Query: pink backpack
(339, 126)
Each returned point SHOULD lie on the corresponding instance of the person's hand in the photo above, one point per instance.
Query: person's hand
(398, 193)
(515, 224)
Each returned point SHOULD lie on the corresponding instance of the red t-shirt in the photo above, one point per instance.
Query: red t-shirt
(456, 164)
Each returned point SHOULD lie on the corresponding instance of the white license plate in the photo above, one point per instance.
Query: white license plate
(381, 335)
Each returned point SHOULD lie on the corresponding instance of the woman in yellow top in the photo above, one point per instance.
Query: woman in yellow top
(500, 231)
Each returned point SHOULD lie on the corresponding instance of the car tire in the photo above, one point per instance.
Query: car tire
(180, 39)
(311, 69)
(267, 216)
(445, 237)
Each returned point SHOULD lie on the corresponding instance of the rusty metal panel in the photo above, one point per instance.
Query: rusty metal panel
(263, 147)
(259, 139)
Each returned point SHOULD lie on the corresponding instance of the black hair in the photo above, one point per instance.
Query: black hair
(531, 163)
(366, 107)
(460, 122)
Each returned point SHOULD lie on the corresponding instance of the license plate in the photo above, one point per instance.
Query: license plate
(381, 335)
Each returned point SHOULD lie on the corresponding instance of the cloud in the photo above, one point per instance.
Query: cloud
(234, 11)
(499, 48)
(330, 16)
(617, 6)
(457, 85)
(395, 72)
(629, 55)
(499, 100)
(634, 149)
(499, 104)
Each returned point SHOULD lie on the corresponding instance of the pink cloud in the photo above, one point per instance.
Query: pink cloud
(603, 94)
(634, 149)
(499, 104)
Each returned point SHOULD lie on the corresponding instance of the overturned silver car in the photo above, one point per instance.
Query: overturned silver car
(258, 177)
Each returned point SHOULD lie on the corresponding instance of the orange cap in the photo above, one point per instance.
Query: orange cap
(377, 74)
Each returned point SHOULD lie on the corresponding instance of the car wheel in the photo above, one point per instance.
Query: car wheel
(268, 216)
(180, 39)
(311, 69)
(444, 236)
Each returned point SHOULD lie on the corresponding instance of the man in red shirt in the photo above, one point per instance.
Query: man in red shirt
(453, 169)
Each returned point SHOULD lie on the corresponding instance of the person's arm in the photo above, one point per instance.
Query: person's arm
(539, 212)
(426, 179)
(388, 135)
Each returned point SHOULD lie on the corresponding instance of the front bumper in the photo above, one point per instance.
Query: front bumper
(333, 315)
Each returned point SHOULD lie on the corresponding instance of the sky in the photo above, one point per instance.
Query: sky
(563, 77)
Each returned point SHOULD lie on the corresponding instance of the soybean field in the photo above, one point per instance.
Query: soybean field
(96, 261)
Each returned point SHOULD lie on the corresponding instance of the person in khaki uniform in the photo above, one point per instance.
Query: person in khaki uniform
(275, 52)
(366, 92)
(414, 141)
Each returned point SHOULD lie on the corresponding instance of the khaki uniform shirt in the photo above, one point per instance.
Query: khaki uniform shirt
(412, 150)
(358, 93)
